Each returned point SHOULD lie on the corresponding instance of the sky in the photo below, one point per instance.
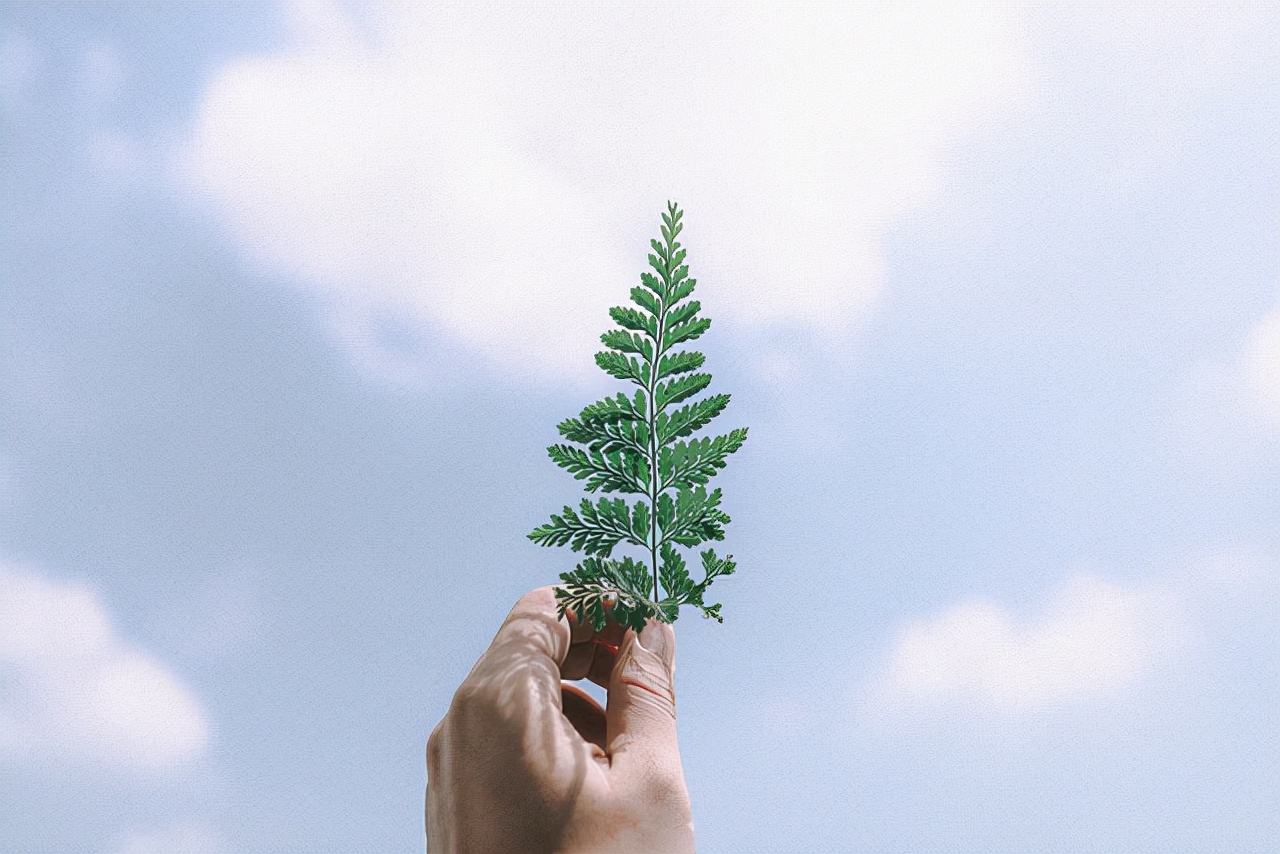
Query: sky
(292, 297)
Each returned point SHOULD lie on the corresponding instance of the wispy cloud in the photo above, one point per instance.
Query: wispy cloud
(179, 838)
(487, 175)
(1220, 422)
(76, 692)
(20, 62)
(102, 74)
(1091, 639)
(1088, 640)
(1261, 364)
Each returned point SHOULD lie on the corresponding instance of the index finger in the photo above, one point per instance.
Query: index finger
(591, 652)
(534, 625)
(518, 676)
(505, 727)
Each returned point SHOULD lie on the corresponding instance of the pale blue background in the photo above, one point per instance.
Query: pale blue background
(1048, 386)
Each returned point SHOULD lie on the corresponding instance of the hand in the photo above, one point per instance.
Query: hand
(523, 763)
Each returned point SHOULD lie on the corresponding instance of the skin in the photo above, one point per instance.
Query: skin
(524, 762)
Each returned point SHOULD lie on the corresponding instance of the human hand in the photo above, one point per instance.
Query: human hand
(522, 762)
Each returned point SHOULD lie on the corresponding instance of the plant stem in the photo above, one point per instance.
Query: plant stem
(653, 429)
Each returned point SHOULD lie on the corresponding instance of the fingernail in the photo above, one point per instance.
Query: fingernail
(655, 638)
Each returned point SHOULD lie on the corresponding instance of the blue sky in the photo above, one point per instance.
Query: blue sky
(293, 297)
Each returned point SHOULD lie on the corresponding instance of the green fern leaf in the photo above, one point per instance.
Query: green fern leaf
(646, 300)
(619, 471)
(632, 445)
(680, 363)
(682, 314)
(687, 464)
(686, 331)
(689, 419)
(614, 409)
(680, 389)
(674, 575)
(628, 342)
(681, 290)
(697, 517)
(617, 365)
(629, 318)
(595, 528)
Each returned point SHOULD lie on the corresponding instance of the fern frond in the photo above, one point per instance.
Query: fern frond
(675, 575)
(599, 586)
(684, 465)
(624, 368)
(687, 331)
(629, 318)
(611, 410)
(645, 299)
(689, 419)
(642, 445)
(681, 314)
(694, 517)
(680, 290)
(680, 363)
(608, 437)
(628, 342)
(679, 389)
(619, 471)
(595, 528)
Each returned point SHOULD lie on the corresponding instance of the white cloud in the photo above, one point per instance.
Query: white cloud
(118, 156)
(20, 61)
(172, 839)
(494, 175)
(76, 692)
(1092, 639)
(1221, 420)
(1261, 364)
(102, 73)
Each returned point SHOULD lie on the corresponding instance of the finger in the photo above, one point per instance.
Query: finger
(603, 660)
(534, 627)
(580, 630)
(585, 714)
(593, 660)
(579, 662)
(606, 643)
(506, 743)
(519, 674)
(592, 653)
(510, 705)
(642, 703)
(611, 636)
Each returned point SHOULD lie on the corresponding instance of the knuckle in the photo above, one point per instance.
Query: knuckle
(435, 748)
(540, 598)
(647, 673)
(467, 700)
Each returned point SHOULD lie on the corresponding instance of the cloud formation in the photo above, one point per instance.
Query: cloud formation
(1261, 365)
(76, 692)
(179, 838)
(1221, 421)
(491, 178)
(1093, 638)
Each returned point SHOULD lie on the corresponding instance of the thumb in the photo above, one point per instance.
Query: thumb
(642, 702)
